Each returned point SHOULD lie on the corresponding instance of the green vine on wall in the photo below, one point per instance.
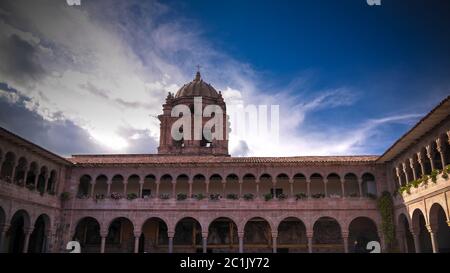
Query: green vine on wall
(386, 207)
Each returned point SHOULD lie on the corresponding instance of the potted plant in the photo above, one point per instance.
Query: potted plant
(433, 175)
(300, 195)
(199, 196)
(181, 196)
(214, 196)
(64, 196)
(116, 196)
(248, 196)
(232, 196)
(132, 196)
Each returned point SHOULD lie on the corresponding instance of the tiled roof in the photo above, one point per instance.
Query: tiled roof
(181, 159)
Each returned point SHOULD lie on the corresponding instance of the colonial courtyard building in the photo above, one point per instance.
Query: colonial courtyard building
(193, 197)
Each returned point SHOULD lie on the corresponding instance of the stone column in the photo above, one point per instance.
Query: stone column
(103, 243)
(13, 173)
(137, 235)
(141, 186)
(345, 239)
(291, 188)
(416, 241)
(411, 165)
(343, 187)
(170, 234)
(405, 172)
(190, 189)
(27, 239)
(204, 241)
(207, 188)
(360, 187)
(92, 190)
(434, 242)
(309, 236)
(422, 167)
(241, 241)
(223, 187)
(108, 191)
(274, 242)
(325, 182)
(240, 188)
(157, 189)
(125, 184)
(174, 185)
(274, 186)
(399, 177)
(36, 178)
(46, 177)
(308, 187)
(257, 188)
(441, 151)
(430, 156)
(3, 238)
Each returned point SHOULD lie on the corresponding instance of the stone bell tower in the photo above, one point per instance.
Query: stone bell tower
(187, 95)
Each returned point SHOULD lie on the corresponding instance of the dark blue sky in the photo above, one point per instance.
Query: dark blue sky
(349, 76)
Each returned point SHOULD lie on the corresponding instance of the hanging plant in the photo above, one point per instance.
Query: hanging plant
(386, 208)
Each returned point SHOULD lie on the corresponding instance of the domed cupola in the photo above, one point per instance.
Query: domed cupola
(197, 88)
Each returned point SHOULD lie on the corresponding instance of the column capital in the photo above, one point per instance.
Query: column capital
(432, 228)
(429, 151)
(309, 234)
(345, 234)
(439, 144)
(170, 234)
(204, 234)
(274, 234)
(240, 234)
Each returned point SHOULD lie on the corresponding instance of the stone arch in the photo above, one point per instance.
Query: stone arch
(7, 167)
(406, 240)
(39, 236)
(361, 231)
(265, 184)
(165, 185)
(368, 185)
(43, 176)
(188, 235)
(32, 173)
(149, 186)
(282, 185)
(249, 184)
(19, 176)
(419, 223)
(15, 237)
(223, 236)
(317, 185)
(327, 235)
(133, 186)
(101, 187)
(182, 185)
(87, 233)
(292, 235)
(84, 186)
(351, 185)
(440, 228)
(257, 235)
(51, 184)
(334, 188)
(300, 185)
(117, 185)
(154, 236)
(231, 185)
(216, 185)
(120, 238)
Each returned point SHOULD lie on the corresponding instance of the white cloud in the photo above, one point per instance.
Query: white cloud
(111, 80)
